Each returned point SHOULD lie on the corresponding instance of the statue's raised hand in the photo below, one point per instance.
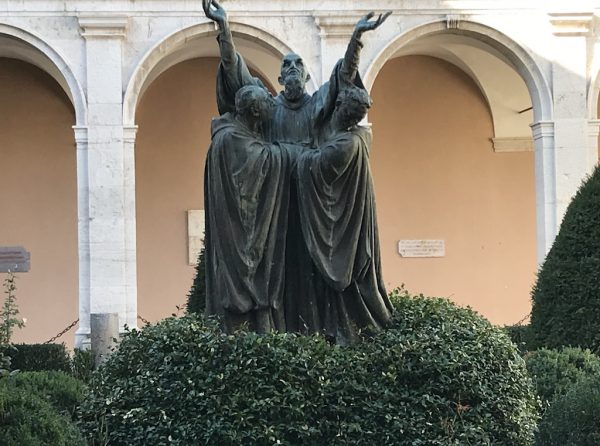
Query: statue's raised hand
(214, 11)
(366, 24)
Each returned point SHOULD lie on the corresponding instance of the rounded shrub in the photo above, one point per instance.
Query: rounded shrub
(62, 391)
(574, 418)
(554, 372)
(566, 297)
(439, 375)
(27, 420)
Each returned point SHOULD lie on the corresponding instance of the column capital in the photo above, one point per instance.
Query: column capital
(103, 26)
(336, 25)
(542, 129)
(594, 127)
(129, 133)
(572, 23)
(81, 134)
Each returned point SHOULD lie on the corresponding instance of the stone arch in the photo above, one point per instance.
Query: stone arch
(505, 47)
(172, 50)
(30, 48)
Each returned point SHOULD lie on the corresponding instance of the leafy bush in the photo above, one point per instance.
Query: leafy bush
(566, 298)
(196, 302)
(62, 391)
(574, 418)
(82, 364)
(38, 357)
(439, 375)
(27, 420)
(555, 371)
(520, 335)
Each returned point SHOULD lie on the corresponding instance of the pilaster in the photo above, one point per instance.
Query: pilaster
(335, 32)
(110, 174)
(545, 187)
(572, 154)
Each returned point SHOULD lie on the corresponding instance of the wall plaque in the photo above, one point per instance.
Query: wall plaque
(422, 248)
(14, 259)
(195, 235)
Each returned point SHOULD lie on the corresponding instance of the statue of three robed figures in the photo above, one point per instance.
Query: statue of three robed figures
(291, 239)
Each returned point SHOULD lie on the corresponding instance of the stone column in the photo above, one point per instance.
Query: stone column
(574, 159)
(107, 214)
(545, 187)
(82, 336)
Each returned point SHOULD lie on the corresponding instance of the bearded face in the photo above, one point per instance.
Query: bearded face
(293, 77)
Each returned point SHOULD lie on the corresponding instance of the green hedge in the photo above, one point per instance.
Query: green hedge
(27, 420)
(521, 336)
(439, 375)
(574, 418)
(38, 357)
(554, 372)
(62, 391)
(566, 297)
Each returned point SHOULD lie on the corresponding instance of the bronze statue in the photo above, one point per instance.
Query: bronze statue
(246, 195)
(311, 301)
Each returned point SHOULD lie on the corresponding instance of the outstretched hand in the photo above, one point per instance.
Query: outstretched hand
(214, 11)
(366, 24)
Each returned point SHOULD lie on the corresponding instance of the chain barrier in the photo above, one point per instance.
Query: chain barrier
(145, 321)
(71, 325)
(527, 316)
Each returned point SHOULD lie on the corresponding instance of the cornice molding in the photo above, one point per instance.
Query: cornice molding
(103, 26)
(572, 23)
(336, 25)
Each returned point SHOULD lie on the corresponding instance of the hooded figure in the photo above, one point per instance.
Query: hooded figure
(246, 196)
(339, 225)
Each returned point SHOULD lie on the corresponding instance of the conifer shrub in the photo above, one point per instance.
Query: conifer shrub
(438, 375)
(573, 419)
(566, 297)
(554, 372)
(520, 335)
(196, 302)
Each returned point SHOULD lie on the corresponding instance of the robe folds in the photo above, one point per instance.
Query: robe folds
(246, 196)
(339, 225)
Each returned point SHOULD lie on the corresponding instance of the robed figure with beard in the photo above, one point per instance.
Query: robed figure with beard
(300, 119)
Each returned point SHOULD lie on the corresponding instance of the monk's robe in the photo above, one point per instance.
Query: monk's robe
(339, 224)
(246, 196)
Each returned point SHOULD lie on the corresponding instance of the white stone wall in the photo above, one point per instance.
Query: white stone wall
(522, 53)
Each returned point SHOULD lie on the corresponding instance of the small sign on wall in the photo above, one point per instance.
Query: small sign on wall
(195, 235)
(422, 248)
(14, 259)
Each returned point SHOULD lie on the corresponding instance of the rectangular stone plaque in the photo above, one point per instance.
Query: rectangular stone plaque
(195, 235)
(14, 259)
(422, 248)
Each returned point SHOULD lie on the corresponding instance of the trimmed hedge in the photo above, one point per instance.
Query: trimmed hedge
(62, 391)
(554, 372)
(27, 420)
(440, 375)
(38, 357)
(574, 418)
(566, 297)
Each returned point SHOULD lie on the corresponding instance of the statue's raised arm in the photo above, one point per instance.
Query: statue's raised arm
(233, 72)
(352, 58)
